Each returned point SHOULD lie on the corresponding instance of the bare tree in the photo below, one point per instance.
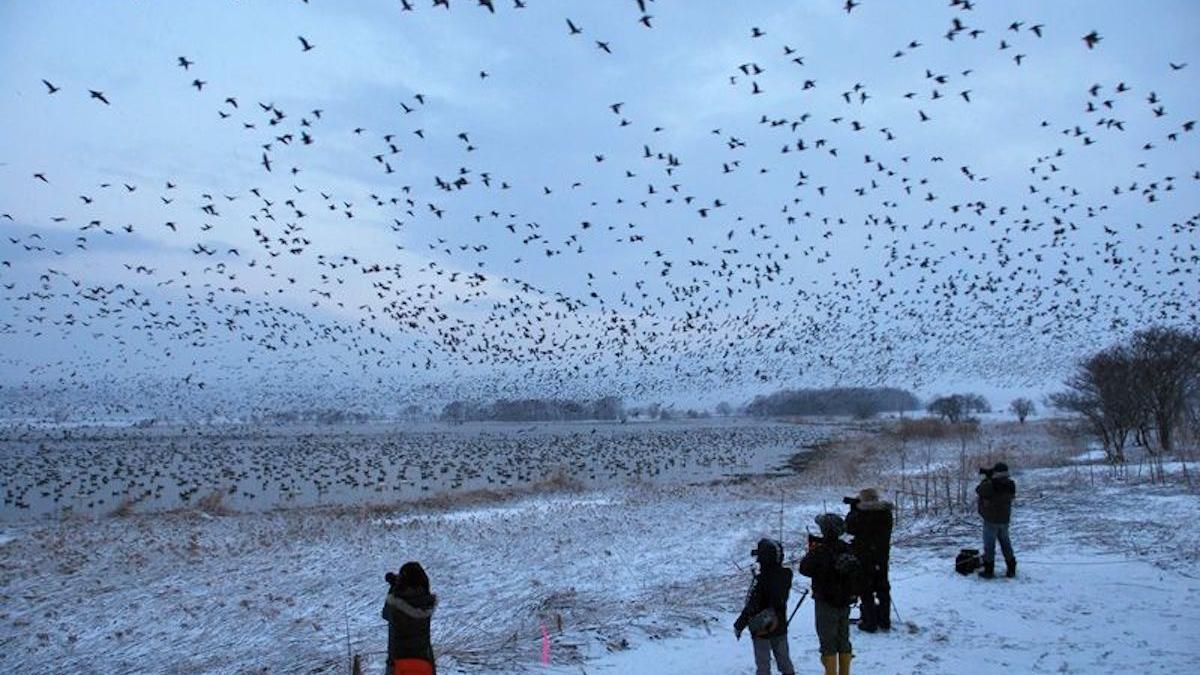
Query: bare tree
(1168, 366)
(949, 408)
(1022, 408)
(975, 403)
(1105, 391)
(956, 407)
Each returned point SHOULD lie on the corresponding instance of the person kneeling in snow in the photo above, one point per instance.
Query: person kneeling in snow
(408, 608)
(835, 574)
(996, 494)
(765, 611)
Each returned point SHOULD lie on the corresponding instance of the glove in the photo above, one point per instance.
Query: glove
(737, 632)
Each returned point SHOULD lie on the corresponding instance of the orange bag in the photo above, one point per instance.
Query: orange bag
(412, 667)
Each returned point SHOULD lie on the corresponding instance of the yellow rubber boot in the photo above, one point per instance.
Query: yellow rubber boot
(843, 660)
(830, 661)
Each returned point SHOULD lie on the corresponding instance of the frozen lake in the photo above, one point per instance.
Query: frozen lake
(97, 470)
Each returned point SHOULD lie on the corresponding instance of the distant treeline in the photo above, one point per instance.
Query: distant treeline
(311, 417)
(534, 410)
(859, 402)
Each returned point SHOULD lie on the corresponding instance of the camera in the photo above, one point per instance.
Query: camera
(391, 579)
(984, 471)
(851, 501)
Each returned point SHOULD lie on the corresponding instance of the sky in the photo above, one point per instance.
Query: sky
(984, 247)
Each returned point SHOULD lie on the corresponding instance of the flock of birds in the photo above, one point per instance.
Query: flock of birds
(722, 297)
(102, 471)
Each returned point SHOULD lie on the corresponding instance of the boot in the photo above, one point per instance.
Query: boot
(989, 571)
(844, 663)
(830, 661)
(866, 615)
(1010, 568)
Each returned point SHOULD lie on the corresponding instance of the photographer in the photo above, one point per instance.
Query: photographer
(408, 609)
(870, 523)
(765, 611)
(834, 570)
(996, 492)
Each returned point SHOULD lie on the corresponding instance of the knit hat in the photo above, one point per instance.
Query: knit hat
(831, 524)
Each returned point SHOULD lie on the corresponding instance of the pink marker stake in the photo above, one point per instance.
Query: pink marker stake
(545, 645)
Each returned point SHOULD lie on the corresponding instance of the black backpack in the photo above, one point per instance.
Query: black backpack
(967, 561)
(851, 574)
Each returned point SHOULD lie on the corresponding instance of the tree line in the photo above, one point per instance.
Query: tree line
(860, 402)
(534, 410)
(956, 408)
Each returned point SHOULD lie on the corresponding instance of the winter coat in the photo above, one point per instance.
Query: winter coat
(769, 589)
(996, 495)
(408, 612)
(828, 585)
(870, 523)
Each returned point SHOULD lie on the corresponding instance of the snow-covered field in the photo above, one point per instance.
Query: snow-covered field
(1107, 583)
(633, 576)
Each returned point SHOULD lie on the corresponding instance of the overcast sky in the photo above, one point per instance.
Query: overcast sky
(541, 122)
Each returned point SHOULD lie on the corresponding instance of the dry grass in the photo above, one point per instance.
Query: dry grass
(214, 504)
(559, 481)
(125, 508)
(930, 467)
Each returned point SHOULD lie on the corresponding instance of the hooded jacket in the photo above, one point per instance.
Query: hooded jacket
(770, 589)
(996, 494)
(870, 523)
(408, 612)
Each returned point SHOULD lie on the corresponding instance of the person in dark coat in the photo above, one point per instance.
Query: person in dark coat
(408, 609)
(768, 593)
(996, 493)
(870, 523)
(831, 591)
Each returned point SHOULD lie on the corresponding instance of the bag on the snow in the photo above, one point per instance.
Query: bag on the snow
(967, 561)
(763, 623)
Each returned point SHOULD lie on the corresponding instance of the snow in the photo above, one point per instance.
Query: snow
(637, 577)
(1090, 456)
(520, 509)
(1065, 612)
